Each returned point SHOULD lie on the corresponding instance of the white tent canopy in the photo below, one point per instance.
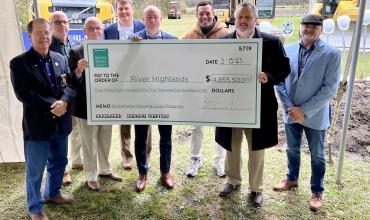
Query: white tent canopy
(11, 135)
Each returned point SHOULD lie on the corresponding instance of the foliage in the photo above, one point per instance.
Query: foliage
(22, 10)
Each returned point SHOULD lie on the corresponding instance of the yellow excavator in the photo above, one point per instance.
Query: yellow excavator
(77, 11)
(224, 9)
(335, 8)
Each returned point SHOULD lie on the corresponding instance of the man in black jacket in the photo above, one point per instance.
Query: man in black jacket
(62, 44)
(40, 80)
(275, 67)
(96, 139)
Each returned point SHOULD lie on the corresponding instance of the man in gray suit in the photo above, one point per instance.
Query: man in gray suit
(305, 95)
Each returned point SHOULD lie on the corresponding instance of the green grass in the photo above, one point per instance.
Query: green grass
(195, 198)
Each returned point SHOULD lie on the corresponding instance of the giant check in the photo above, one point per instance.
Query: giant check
(205, 82)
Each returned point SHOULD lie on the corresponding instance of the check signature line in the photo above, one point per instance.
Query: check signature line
(220, 106)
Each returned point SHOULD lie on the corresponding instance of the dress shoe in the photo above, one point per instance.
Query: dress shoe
(316, 202)
(67, 179)
(256, 198)
(141, 183)
(60, 200)
(127, 165)
(38, 216)
(93, 185)
(286, 185)
(167, 181)
(112, 176)
(228, 188)
(77, 166)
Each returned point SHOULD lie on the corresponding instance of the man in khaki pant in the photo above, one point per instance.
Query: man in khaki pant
(275, 68)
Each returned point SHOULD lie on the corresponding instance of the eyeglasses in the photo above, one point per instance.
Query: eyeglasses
(60, 22)
(41, 33)
(94, 28)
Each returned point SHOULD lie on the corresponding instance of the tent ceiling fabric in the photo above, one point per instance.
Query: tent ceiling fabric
(11, 135)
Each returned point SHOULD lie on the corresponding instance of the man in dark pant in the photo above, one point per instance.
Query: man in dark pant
(40, 80)
(123, 30)
(152, 20)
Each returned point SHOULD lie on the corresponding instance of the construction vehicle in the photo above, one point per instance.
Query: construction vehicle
(77, 11)
(335, 8)
(174, 10)
(224, 10)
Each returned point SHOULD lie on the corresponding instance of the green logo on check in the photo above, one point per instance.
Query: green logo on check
(101, 58)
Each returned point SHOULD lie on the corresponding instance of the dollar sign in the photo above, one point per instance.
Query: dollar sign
(208, 78)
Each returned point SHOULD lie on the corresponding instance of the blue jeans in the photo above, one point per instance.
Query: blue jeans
(315, 139)
(51, 153)
(165, 148)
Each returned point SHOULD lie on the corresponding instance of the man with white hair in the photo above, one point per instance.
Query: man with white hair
(62, 44)
(275, 68)
(306, 96)
(96, 139)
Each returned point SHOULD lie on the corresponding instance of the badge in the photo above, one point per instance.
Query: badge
(64, 79)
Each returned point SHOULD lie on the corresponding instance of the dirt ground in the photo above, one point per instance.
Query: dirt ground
(358, 135)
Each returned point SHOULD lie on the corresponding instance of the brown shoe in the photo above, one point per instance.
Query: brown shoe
(316, 202)
(39, 216)
(127, 165)
(112, 176)
(141, 183)
(93, 185)
(78, 166)
(67, 179)
(61, 200)
(285, 185)
(167, 181)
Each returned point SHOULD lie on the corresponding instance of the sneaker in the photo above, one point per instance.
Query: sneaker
(194, 167)
(220, 169)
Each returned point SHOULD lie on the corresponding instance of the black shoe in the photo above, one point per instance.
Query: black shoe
(228, 188)
(256, 198)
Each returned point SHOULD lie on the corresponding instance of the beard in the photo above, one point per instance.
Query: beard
(308, 37)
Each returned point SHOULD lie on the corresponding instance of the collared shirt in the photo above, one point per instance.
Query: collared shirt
(304, 54)
(125, 32)
(158, 36)
(47, 68)
(250, 36)
(65, 48)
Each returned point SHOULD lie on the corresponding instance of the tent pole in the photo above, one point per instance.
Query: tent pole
(352, 77)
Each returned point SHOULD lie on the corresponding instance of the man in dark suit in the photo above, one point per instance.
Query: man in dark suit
(275, 68)
(40, 79)
(62, 44)
(152, 19)
(123, 30)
